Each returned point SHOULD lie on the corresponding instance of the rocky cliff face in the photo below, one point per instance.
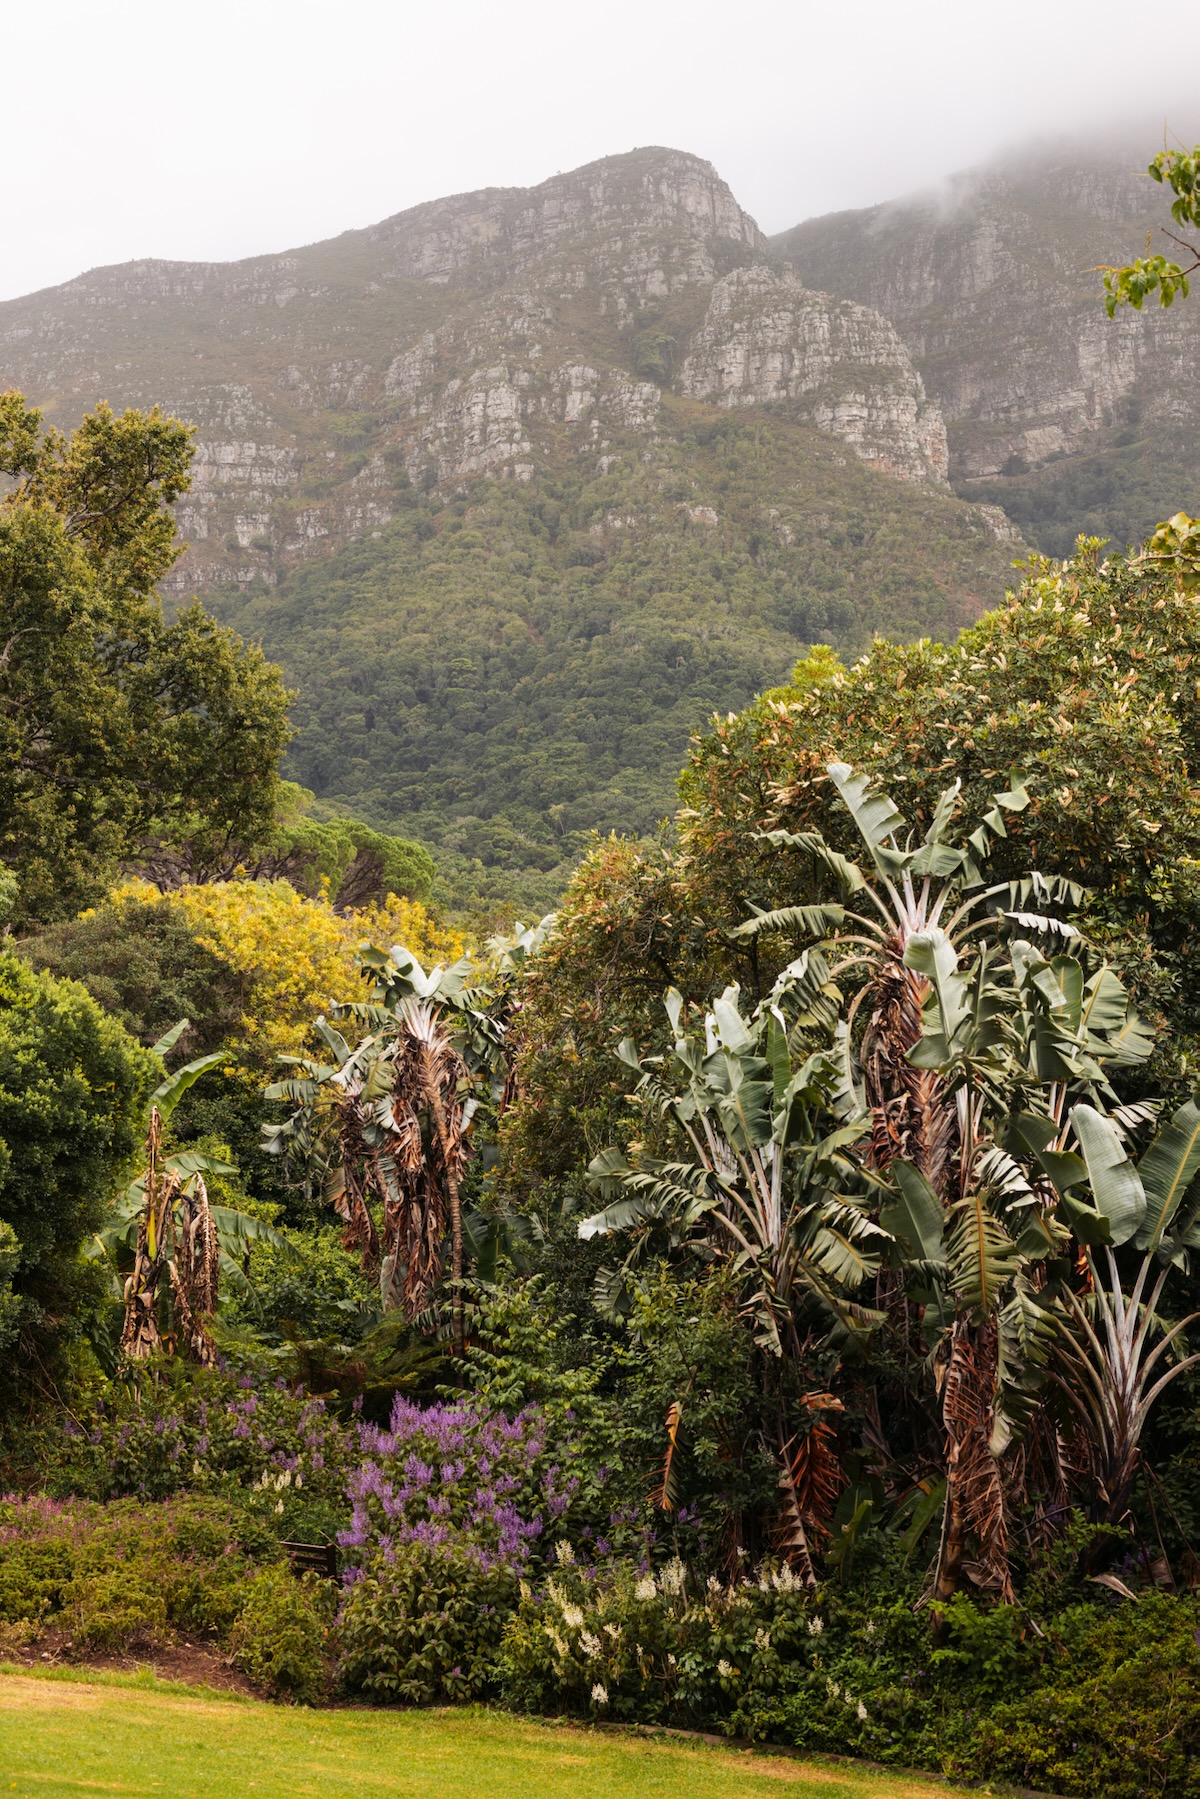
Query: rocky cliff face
(487, 334)
(765, 339)
(992, 285)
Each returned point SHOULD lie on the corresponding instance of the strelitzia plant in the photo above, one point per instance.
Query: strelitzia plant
(767, 1187)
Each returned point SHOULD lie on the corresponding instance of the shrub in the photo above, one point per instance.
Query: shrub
(113, 1609)
(72, 1088)
(1116, 1710)
(449, 1505)
(277, 1451)
(423, 1622)
(140, 960)
(623, 1642)
(124, 1573)
(281, 1635)
(457, 1473)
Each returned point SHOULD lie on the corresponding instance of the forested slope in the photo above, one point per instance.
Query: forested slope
(502, 671)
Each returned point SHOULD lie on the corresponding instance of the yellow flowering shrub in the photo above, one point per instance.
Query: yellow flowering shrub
(298, 953)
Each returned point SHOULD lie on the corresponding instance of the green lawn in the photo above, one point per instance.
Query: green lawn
(71, 1736)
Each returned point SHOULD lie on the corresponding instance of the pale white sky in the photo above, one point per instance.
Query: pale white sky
(153, 128)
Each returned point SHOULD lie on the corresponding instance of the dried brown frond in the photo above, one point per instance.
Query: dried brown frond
(816, 1471)
(349, 1198)
(665, 1493)
(975, 1517)
(402, 1135)
(913, 1118)
(140, 1333)
(810, 1479)
(196, 1275)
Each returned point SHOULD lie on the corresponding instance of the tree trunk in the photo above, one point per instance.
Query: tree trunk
(449, 1156)
(975, 1514)
(140, 1335)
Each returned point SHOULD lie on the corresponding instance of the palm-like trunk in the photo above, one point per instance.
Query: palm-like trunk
(912, 1118)
(915, 1119)
(195, 1276)
(350, 1204)
(140, 1334)
(975, 1508)
(450, 1154)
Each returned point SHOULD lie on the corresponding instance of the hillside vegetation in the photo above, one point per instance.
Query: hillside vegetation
(502, 671)
(519, 486)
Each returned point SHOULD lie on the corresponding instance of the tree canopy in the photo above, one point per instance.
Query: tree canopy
(117, 728)
(1083, 685)
(73, 1086)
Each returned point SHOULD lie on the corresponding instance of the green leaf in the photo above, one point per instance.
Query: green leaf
(746, 1111)
(1106, 1005)
(916, 1218)
(803, 921)
(778, 1058)
(982, 1255)
(873, 812)
(1167, 1170)
(190, 1162)
(1116, 1186)
(607, 1169)
(926, 1508)
(847, 874)
(169, 1039)
(931, 953)
(168, 1095)
(237, 1229)
(1089, 1225)
(731, 1026)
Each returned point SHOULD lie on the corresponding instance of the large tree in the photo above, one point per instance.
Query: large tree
(73, 1089)
(117, 728)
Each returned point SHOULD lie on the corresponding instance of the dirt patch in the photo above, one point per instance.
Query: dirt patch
(195, 1663)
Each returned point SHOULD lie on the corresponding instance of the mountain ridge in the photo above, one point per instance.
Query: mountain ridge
(429, 312)
(1067, 419)
(520, 486)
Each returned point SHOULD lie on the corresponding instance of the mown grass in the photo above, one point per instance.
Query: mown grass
(114, 1735)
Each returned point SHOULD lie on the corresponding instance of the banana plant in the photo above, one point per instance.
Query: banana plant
(910, 886)
(1112, 1363)
(180, 1245)
(767, 1173)
(390, 1118)
(1022, 1046)
(969, 1042)
(767, 1184)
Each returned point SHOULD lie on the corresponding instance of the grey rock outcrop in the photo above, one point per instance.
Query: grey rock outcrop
(488, 334)
(993, 284)
(767, 339)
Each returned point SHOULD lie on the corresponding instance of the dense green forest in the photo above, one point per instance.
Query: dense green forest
(501, 672)
(1115, 492)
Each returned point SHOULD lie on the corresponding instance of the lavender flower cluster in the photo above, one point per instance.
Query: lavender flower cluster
(152, 1442)
(453, 1474)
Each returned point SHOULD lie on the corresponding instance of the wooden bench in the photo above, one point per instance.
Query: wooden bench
(312, 1558)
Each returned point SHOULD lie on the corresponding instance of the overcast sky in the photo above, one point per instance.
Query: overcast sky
(152, 128)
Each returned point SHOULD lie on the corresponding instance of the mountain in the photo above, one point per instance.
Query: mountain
(1066, 419)
(520, 485)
